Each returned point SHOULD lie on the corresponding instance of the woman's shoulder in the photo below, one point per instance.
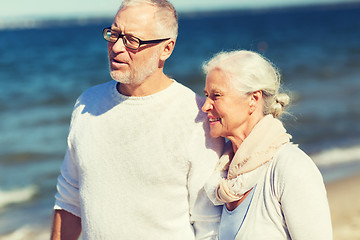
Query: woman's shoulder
(291, 154)
(293, 169)
(293, 163)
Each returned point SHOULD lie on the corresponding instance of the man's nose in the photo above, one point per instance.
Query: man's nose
(117, 46)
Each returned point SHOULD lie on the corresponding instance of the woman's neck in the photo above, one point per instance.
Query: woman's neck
(238, 138)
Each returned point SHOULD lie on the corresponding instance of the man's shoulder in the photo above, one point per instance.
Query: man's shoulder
(97, 90)
(96, 99)
(189, 96)
(182, 88)
(97, 93)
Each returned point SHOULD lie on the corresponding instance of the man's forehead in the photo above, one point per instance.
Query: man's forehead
(135, 18)
(141, 12)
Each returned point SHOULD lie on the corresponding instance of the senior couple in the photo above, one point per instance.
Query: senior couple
(146, 157)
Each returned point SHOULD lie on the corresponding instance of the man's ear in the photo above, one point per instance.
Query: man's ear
(167, 50)
(255, 99)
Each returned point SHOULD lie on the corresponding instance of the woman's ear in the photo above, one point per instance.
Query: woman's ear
(255, 99)
(167, 50)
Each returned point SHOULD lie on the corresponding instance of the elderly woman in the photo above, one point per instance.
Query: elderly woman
(269, 188)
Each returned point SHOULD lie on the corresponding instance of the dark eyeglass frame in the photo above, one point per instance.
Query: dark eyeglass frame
(120, 35)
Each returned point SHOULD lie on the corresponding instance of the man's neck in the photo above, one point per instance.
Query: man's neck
(149, 86)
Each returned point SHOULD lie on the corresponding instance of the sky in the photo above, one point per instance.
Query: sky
(11, 10)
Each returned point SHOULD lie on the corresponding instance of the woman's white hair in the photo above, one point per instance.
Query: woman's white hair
(166, 15)
(249, 72)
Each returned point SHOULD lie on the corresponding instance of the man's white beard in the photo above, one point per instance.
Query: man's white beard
(137, 74)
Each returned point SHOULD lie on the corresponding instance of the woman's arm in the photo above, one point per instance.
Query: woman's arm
(303, 199)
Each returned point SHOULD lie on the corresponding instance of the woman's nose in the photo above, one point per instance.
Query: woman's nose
(207, 105)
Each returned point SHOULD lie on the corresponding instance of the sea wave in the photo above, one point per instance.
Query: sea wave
(27, 232)
(38, 23)
(338, 155)
(8, 197)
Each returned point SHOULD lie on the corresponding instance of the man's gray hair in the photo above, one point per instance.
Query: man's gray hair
(166, 15)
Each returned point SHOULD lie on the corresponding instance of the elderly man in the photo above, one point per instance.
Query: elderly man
(139, 150)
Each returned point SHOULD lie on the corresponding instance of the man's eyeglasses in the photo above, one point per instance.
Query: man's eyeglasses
(129, 41)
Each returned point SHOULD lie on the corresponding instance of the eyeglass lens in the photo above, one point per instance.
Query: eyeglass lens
(129, 41)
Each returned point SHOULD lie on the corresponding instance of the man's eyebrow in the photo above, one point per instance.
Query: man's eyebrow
(115, 27)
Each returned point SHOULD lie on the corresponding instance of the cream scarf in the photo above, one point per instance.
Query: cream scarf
(237, 174)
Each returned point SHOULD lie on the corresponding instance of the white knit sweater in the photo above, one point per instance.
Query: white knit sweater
(135, 166)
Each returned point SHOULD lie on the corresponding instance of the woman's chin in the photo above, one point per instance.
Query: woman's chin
(214, 134)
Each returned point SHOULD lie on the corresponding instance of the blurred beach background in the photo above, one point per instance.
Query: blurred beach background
(47, 62)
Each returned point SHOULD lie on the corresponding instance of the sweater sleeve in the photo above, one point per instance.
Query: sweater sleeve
(67, 196)
(204, 216)
(302, 196)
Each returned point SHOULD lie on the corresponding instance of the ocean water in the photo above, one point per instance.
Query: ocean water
(43, 69)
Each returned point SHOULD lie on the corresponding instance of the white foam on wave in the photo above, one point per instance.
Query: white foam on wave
(16, 195)
(29, 233)
(337, 156)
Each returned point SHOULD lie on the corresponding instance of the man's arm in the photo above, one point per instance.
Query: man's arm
(205, 152)
(66, 226)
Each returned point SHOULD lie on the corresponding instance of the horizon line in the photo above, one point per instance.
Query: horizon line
(88, 18)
